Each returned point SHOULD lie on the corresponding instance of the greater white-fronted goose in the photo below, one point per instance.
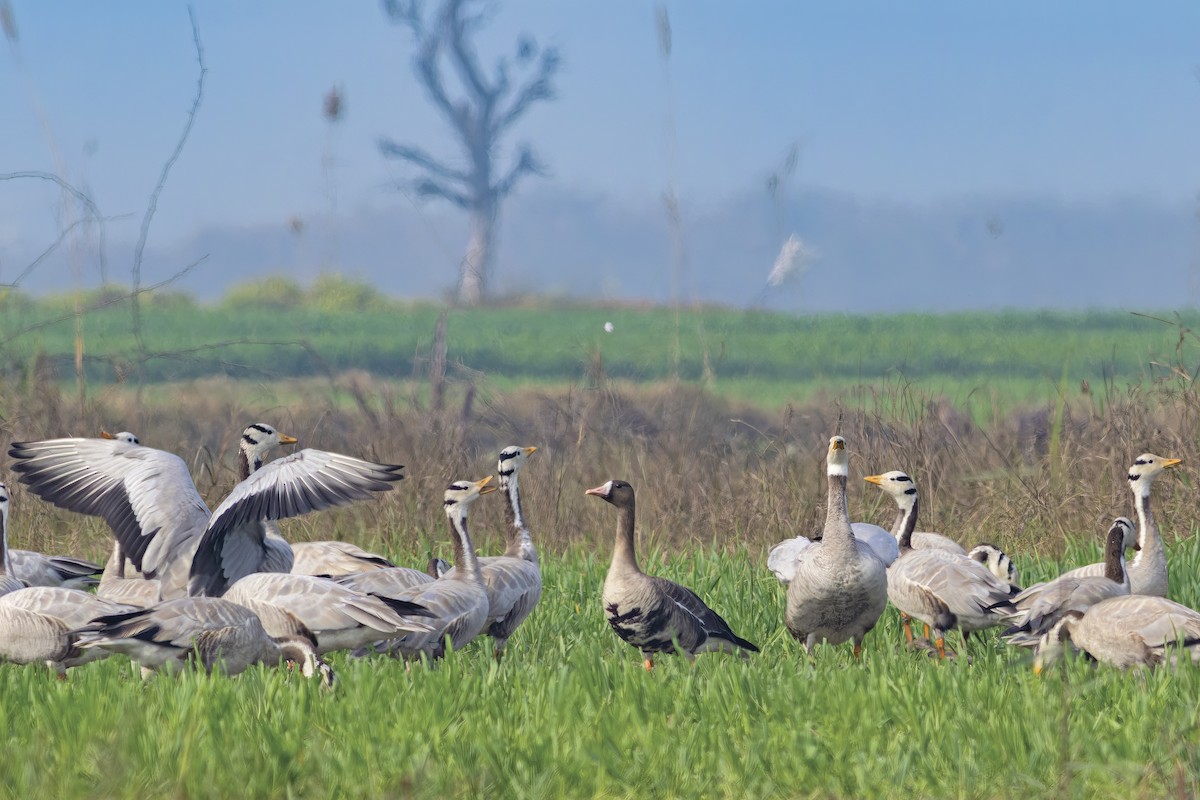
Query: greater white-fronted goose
(513, 580)
(781, 559)
(162, 524)
(942, 589)
(211, 630)
(8, 583)
(1129, 631)
(42, 624)
(839, 589)
(895, 483)
(1069, 593)
(651, 613)
(458, 603)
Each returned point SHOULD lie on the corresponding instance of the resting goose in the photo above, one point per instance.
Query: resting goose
(339, 617)
(334, 559)
(8, 583)
(651, 613)
(940, 588)
(997, 562)
(42, 624)
(839, 589)
(213, 631)
(894, 483)
(457, 603)
(1069, 593)
(513, 580)
(162, 524)
(1130, 631)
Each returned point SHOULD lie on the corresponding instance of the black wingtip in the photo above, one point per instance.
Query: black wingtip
(403, 607)
(744, 644)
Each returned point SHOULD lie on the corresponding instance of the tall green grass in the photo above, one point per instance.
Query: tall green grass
(571, 713)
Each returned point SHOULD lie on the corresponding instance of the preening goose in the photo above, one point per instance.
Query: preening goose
(1130, 631)
(1069, 593)
(458, 603)
(8, 583)
(334, 559)
(997, 562)
(894, 483)
(651, 613)
(839, 589)
(340, 617)
(42, 624)
(162, 524)
(513, 580)
(213, 631)
(942, 589)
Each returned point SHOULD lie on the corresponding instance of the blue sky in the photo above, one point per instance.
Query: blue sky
(904, 103)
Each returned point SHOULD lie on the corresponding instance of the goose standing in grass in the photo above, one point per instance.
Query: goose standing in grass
(213, 631)
(651, 613)
(513, 580)
(940, 588)
(1069, 593)
(42, 624)
(1148, 570)
(8, 583)
(458, 603)
(1129, 631)
(162, 524)
(839, 589)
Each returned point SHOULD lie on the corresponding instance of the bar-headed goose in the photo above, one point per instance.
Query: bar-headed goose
(42, 624)
(651, 613)
(1069, 593)
(997, 562)
(513, 580)
(895, 483)
(215, 632)
(1129, 631)
(1148, 570)
(458, 602)
(8, 583)
(162, 524)
(839, 589)
(942, 589)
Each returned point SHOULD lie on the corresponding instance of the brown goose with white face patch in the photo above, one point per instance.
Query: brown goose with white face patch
(651, 613)
(839, 589)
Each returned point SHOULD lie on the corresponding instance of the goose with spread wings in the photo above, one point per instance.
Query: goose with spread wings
(159, 519)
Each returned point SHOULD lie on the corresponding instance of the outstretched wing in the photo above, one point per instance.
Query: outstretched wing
(234, 545)
(145, 495)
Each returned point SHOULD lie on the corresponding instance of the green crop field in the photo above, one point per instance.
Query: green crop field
(571, 713)
(769, 359)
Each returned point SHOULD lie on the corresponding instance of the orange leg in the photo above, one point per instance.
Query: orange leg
(648, 663)
(906, 623)
(940, 644)
(926, 631)
(857, 650)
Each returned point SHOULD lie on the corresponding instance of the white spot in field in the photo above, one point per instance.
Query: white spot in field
(608, 327)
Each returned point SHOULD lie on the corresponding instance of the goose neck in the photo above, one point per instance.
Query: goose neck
(465, 561)
(1149, 540)
(1114, 559)
(624, 557)
(247, 466)
(518, 535)
(908, 523)
(838, 533)
(5, 561)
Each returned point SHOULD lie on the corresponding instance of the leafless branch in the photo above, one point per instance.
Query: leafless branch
(416, 155)
(540, 87)
(49, 176)
(466, 62)
(407, 12)
(62, 237)
(427, 187)
(162, 180)
(526, 164)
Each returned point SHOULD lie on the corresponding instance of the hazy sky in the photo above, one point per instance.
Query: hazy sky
(907, 103)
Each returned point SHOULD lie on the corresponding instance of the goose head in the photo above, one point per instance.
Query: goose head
(1050, 647)
(123, 436)
(617, 492)
(259, 439)
(997, 562)
(461, 494)
(512, 458)
(1129, 533)
(897, 484)
(301, 650)
(837, 461)
(1145, 469)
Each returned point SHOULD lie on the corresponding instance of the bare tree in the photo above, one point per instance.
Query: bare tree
(485, 111)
